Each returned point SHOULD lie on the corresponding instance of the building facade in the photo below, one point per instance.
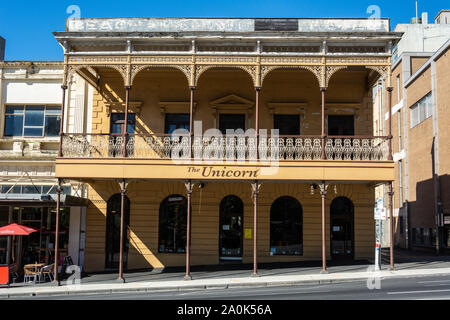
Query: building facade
(227, 140)
(420, 78)
(30, 104)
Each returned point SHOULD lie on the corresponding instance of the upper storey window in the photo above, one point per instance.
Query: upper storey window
(176, 121)
(421, 110)
(341, 125)
(231, 122)
(32, 121)
(287, 124)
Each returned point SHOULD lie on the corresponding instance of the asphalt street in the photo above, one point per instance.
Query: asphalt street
(418, 288)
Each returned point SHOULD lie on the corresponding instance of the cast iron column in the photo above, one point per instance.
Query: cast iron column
(258, 90)
(322, 90)
(123, 191)
(323, 193)
(61, 124)
(255, 189)
(191, 122)
(389, 90)
(189, 188)
(125, 126)
(391, 226)
(58, 209)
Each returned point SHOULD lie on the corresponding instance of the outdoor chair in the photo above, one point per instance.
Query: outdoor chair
(46, 271)
(29, 274)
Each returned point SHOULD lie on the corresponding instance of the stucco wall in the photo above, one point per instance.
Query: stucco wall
(155, 86)
(146, 198)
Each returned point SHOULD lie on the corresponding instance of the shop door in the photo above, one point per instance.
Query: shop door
(342, 229)
(113, 222)
(231, 229)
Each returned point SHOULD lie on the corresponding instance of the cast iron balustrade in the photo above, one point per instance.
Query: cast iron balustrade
(239, 148)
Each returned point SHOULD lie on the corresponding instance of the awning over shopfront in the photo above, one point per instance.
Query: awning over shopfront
(47, 200)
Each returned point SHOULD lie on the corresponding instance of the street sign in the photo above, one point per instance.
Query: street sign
(380, 210)
(383, 213)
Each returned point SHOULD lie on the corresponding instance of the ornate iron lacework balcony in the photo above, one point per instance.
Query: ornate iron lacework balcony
(289, 148)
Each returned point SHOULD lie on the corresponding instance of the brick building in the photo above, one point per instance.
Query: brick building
(420, 75)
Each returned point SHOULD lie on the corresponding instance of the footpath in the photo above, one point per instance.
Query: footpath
(232, 277)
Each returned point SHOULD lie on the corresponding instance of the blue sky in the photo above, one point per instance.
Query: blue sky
(27, 25)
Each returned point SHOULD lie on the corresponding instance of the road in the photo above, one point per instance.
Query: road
(419, 288)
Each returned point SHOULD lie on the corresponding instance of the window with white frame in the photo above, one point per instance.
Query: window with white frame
(32, 121)
(421, 110)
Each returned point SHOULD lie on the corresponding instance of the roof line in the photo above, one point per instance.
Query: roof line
(228, 18)
(427, 64)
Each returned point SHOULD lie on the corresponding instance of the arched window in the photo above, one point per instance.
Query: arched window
(286, 227)
(173, 225)
(113, 221)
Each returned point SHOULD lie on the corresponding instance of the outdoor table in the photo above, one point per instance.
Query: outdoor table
(36, 267)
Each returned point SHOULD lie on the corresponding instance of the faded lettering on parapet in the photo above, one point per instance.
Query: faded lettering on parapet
(220, 25)
(160, 25)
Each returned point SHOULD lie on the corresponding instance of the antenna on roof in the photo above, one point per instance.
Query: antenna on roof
(417, 12)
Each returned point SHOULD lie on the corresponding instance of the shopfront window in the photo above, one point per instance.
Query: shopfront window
(173, 225)
(286, 227)
(39, 246)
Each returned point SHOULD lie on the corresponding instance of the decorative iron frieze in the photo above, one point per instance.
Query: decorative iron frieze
(316, 70)
(135, 69)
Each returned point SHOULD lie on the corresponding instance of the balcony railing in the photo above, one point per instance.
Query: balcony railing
(289, 148)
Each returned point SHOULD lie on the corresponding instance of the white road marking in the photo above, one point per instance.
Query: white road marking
(437, 285)
(435, 298)
(434, 281)
(420, 291)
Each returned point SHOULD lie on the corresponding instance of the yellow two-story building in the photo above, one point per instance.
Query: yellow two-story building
(246, 140)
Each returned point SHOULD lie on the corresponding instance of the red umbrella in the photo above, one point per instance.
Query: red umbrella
(16, 230)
